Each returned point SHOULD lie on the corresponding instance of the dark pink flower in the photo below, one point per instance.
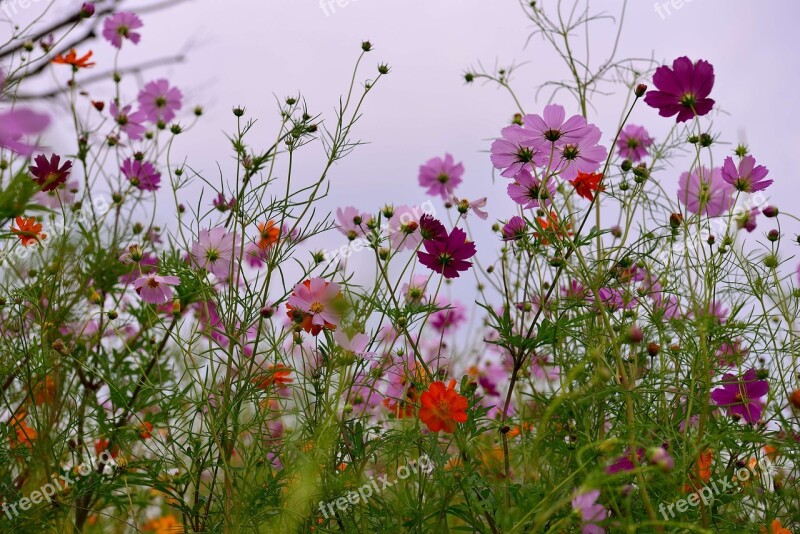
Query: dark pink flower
(517, 150)
(159, 101)
(747, 177)
(441, 176)
(142, 175)
(747, 219)
(683, 89)
(130, 123)
(119, 26)
(633, 142)
(48, 174)
(740, 396)
(18, 123)
(431, 228)
(625, 462)
(448, 257)
(514, 229)
(450, 318)
(530, 192)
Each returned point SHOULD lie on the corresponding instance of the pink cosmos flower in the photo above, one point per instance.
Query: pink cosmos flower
(464, 206)
(142, 175)
(49, 174)
(633, 142)
(624, 462)
(18, 123)
(414, 291)
(351, 222)
(740, 396)
(448, 257)
(747, 177)
(515, 228)
(517, 150)
(530, 192)
(130, 123)
(214, 251)
(441, 176)
(705, 192)
(315, 300)
(63, 196)
(552, 129)
(747, 219)
(156, 289)
(683, 89)
(591, 513)
(159, 102)
(449, 318)
(356, 345)
(119, 26)
(543, 369)
(584, 155)
(208, 317)
(404, 228)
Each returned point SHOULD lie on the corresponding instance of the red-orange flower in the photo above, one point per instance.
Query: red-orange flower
(586, 185)
(146, 430)
(72, 59)
(776, 528)
(274, 375)
(44, 391)
(442, 407)
(269, 233)
(28, 230)
(163, 525)
(551, 225)
(25, 435)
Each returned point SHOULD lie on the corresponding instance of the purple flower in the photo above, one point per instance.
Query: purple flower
(451, 317)
(119, 25)
(87, 10)
(223, 204)
(431, 228)
(747, 219)
(441, 176)
(215, 251)
(351, 222)
(517, 150)
(740, 396)
(551, 128)
(659, 456)
(582, 155)
(591, 513)
(142, 175)
(624, 462)
(633, 142)
(530, 192)
(16, 124)
(747, 177)
(130, 123)
(159, 101)
(48, 174)
(514, 229)
(683, 89)
(705, 192)
(448, 257)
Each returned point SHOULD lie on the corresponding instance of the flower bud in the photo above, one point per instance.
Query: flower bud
(773, 235)
(641, 89)
(770, 211)
(87, 10)
(626, 165)
(675, 220)
(653, 349)
(616, 231)
(794, 399)
(366, 46)
(238, 111)
(659, 457)
(383, 68)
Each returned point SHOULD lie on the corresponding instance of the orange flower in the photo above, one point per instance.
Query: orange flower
(442, 407)
(163, 525)
(44, 391)
(72, 59)
(404, 407)
(28, 230)
(25, 435)
(551, 224)
(776, 528)
(704, 465)
(275, 374)
(586, 185)
(146, 430)
(269, 234)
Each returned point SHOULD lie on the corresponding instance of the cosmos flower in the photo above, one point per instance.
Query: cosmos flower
(48, 174)
(549, 226)
(586, 185)
(72, 59)
(705, 192)
(120, 26)
(357, 345)
(28, 231)
(18, 123)
(464, 206)
(448, 257)
(431, 228)
(441, 176)
(740, 396)
(624, 462)
(747, 177)
(414, 291)
(591, 513)
(159, 102)
(222, 203)
(155, 289)
(551, 128)
(130, 123)
(314, 300)
(517, 150)
(351, 222)
(583, 155)
(214, 251)
(273, 375)
(404, 228)
(633, 143)
(442, 407)
(530, 192)
(142, 175)
(683, 89)
(747, 219)
(449, 318)
(61, 196)
(514, 229)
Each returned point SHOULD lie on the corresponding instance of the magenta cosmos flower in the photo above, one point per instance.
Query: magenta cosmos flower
(142, 175)
(633, 142)
(450, 318)
(18, 123)
(49, 174)
(130, 123)
(155, 289)
(515, 228)
(583, 155)
(120, 26)
(553, 128)
(591, 513)
(747, 177)
(448, 256)
(747, 219)
(351, 222)
(740, 396)
(315, 299)
(516, 150)
(159, 101)
(214, 251)
(683, 89)
(441, 176)
(530, 192)
(705, 192)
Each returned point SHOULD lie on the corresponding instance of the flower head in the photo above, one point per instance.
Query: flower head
(449, 256)
(442, 407)
(530, 192)
(16, 124)
(441, 176)
(71, 58)
(586, 185)
(130, 123)
(28, 231)
(159, 101)
(120, 26)
(404, 228)
(313, 302)
(351, 222)
(591, 513)
(747, 219)
(142, 175)
(431, 228)
(633, 143)
(705, 191)
(414, 291)
(515, 228)
(449, 318)
(156, 289)
(582, 155)
(48, 174)
(740, 396)
(516, 150)
(214, 251)
(683, 89)
(551, 128)
(746, 177)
